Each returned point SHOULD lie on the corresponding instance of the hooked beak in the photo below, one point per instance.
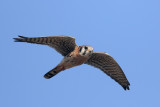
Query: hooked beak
(90, 49)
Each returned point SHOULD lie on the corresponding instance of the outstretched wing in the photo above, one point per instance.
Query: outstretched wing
(109, 66)
(62, 44)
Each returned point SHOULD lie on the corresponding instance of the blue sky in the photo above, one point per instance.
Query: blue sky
(129, 30)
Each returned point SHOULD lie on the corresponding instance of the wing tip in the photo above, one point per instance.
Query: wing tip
(126, 87)
(20, 39)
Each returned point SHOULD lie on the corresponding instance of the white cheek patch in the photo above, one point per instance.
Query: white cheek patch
(83, 51)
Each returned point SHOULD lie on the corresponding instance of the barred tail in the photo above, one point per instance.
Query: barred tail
(51, 73)
(37, 40)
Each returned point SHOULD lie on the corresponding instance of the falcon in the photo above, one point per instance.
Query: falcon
(75, 55)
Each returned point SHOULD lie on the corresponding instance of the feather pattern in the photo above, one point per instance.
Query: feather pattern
(63, 44)
(108, 65)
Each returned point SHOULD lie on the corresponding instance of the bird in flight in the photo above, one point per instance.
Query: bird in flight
(75, 55)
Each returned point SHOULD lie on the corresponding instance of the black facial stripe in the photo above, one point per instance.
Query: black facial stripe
(84, 52)
(80, 49)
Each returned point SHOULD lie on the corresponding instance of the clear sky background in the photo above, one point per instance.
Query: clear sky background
(129, 30)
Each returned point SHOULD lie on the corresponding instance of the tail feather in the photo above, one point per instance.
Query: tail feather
(51, 73)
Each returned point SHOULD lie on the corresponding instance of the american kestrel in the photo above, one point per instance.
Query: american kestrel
(75, 55)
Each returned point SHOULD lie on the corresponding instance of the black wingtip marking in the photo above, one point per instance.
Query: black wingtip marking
(19, 39)
(21, 36)
(126, 87)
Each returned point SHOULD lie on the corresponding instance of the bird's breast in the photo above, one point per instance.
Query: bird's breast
(72, 61)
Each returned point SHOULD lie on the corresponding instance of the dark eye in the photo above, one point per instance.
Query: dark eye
(85, 48)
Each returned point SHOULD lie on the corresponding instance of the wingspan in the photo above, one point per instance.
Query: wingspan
(62, 44)
(109, 66)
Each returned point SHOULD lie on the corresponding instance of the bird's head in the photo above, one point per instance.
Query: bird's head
(85, 50)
